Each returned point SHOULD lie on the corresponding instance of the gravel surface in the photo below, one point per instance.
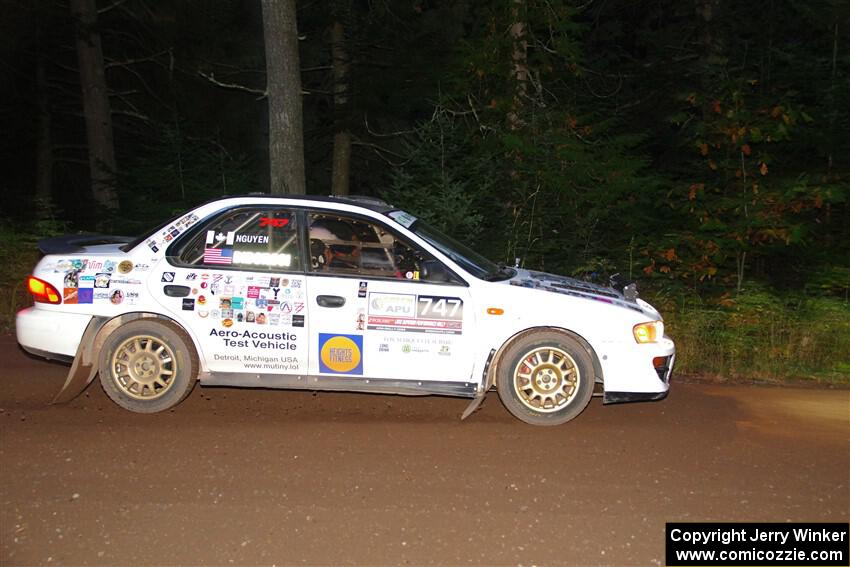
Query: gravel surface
(252, 477)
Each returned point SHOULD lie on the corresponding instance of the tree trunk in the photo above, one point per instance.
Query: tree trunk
(519, 62)
(98, 114)
(44, 144)
(342, 136)
(283, 85)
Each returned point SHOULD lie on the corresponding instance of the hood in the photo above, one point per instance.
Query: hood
(576, 288)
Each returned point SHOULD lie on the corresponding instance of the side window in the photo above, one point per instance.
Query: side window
(344, 245)
(249, 238)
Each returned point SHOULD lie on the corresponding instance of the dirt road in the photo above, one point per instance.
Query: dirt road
(274, 477)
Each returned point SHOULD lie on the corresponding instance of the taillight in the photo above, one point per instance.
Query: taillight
(43, 292)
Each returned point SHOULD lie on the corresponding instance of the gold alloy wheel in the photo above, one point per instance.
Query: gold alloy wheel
(143, 367)
(546, 379)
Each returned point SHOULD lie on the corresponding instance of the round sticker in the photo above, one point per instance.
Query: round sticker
(227, 322)
(340, 354)
(202, 299)
(409, 275)
(125, 267)
(117, 297)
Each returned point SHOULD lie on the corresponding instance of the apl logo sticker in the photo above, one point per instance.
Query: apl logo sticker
(340, 354)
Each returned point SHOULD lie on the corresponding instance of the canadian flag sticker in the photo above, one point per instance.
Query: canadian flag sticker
(214, 237)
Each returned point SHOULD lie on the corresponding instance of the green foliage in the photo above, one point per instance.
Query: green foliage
(551, 180)
(830, 281)
(444, 181)
(759, 334)
(18, 255)
(178, 172)
(751, 142)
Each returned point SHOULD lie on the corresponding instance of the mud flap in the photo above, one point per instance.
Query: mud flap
(84, 366)
(473, 405)
(486, 384)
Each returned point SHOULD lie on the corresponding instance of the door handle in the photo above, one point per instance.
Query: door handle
(330, 300)
(177, 290)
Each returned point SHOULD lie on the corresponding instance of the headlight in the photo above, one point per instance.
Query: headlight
(649, 332)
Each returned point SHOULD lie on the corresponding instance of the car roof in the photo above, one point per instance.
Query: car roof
(371, 203)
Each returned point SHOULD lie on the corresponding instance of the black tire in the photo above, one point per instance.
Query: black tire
(147, 366)
(545, 378)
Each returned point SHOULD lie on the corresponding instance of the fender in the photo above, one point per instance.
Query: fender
(597, 368)
(85, 367)
(491, 367)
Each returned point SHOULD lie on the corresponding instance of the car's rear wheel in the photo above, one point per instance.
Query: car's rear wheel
(147, 366)
(545, 378)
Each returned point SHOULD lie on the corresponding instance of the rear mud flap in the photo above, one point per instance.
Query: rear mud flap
(84, 367)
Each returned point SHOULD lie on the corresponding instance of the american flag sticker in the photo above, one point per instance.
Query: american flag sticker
(218, 255)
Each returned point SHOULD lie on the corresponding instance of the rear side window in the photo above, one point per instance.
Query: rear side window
(248, 238)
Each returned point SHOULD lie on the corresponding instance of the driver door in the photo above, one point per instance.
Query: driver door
(380, 308)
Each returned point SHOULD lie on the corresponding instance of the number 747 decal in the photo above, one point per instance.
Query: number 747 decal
(269, 221)
(434, 307)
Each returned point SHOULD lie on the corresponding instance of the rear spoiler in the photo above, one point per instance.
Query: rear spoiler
(73, 243)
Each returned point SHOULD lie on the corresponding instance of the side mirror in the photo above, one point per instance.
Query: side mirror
(434, 271)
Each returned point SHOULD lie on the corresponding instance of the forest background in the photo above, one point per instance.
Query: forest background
(699, 147)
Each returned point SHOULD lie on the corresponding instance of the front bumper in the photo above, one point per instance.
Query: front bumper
(49, 333)
(638, 372)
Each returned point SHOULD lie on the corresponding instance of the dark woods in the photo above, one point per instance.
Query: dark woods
(700, 147)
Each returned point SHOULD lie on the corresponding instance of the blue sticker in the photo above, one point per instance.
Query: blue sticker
(85, 295)
(340, 354)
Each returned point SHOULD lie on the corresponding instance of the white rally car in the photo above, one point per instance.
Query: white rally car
(332, 294)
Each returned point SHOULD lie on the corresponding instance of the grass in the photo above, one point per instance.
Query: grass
(761, 335)
(18, 256)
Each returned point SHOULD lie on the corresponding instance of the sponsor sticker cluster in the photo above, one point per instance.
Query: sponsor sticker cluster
(171, 232)
(93, 280)
(233, 298)
(253, 321)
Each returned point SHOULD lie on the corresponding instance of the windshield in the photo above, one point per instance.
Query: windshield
(465, 257)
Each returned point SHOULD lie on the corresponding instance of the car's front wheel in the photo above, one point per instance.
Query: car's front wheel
(545, 378)
(147, 366)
